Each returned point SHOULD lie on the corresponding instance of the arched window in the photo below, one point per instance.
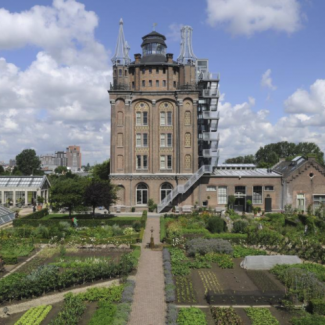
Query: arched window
(142, 193)
(120, 72)
(165, 189)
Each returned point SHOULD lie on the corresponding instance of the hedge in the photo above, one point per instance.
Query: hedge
(128, 221)
(317, 306)
(234, 238)
(144, 218)
(10, 259)
(38, 214)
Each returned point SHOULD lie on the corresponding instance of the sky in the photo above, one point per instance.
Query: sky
(55, 69)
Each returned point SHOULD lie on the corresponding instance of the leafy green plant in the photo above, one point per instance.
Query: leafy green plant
(240, 251)
(225, 316)
(190, 316)
(216, 225)
(104, 315)
(308, 320)
(34, 316)
(110, 295)
(261, 316)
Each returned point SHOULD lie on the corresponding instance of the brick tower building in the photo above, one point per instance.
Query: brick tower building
(164, 122)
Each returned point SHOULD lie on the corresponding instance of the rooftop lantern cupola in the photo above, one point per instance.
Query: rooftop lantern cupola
(153, 44)
(121, 56)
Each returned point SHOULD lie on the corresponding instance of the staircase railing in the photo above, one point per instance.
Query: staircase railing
(180, 189)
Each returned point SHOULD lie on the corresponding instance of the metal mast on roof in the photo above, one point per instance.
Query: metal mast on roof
(121, 56)
(187, 55)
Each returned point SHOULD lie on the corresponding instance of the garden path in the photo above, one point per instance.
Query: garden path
(149, 307)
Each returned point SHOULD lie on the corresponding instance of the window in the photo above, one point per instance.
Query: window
(269, 188)
(138, 140)
(138, 118)
(157, 70)
(120, 139)
(120, 119)
(145, 118)
(143, 83)
(240, 190)
(142, 193)
(142, 162)
(174, 84)
(162, 118)
(319, 200)
(162, 140)
(211, 188)
(120, 72)
(133, 84)
(174, 71)
(257, 194)
(187, 139)
(150, 83)
(125, 73)
(166, 162)
(138, 162)
(143, 71)
(150, 70)
(162, 162)
(169, 118)
(145, 162)
(165, 190)
(164, 83)
(164, 70)
(222, 195)
(145, 139)
(187, 161)
(169, 140)
(157, 83)
(187, 119)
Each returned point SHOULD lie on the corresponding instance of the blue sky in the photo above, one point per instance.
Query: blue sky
(56, 67)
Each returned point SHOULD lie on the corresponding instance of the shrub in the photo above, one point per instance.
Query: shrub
(10, 259)
(137, 226)
(171, 315)
(240, 251)
(38, 214)
(169, 283)
(133, 209)
(162, 229)
(127, 295)
(128, 231)
(203, 246)
(231, 237)
(240, 226)
(317, 306)
(104, 314)
(122, 314)
(190, 316)
(261, 316)
(308, 320)
(216, 225)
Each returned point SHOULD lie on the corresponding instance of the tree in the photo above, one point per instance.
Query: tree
(102, 171)
(100, 193)
(28, 163)
(60, 170)
(86, 168)
(1, 170)
(68, 192)
(249, 159)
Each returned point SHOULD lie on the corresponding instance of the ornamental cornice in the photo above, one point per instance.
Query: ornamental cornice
(148, 177)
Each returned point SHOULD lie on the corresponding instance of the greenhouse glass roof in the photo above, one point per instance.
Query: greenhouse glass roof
(22, 181)
(6, 215)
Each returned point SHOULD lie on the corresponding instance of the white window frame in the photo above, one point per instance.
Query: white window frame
(162, 118)
(145, 139)
(145, 158)
(162, 162)
(162, 140)
(169, 162)
(138, 118)
(138, 160)
(169, 140)
(260, 200)
(269, 190)
(211, 188)
(222, 194)
(169, 118)
(145, 114)
(138, 140)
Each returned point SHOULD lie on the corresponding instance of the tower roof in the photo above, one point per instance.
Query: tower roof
(121, 56)
(187, 55)
(154, 37)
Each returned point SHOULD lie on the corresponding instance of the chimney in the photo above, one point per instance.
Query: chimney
(137, 58)
(170, 57)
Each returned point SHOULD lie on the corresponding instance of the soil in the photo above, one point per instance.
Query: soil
(88, 313)
(209, 317)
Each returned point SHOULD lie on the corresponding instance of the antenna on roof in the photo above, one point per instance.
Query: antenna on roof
(154, 26)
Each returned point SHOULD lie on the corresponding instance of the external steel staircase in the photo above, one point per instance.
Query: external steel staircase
(181, 189)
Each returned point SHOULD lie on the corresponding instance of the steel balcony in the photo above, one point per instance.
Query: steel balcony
(210, 115)
(208, 153)
(210, 136)
(210, 92)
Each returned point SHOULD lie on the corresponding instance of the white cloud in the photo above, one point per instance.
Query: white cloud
(246, 17)
(267, 80)
(303, 101)
(61, 98)
(243, 129)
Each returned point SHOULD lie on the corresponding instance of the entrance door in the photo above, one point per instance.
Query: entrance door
(239, 204)
(268, 204)
(301, 202)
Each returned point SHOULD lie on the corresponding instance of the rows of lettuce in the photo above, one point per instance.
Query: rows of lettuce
(113, 307)
(21, 240)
